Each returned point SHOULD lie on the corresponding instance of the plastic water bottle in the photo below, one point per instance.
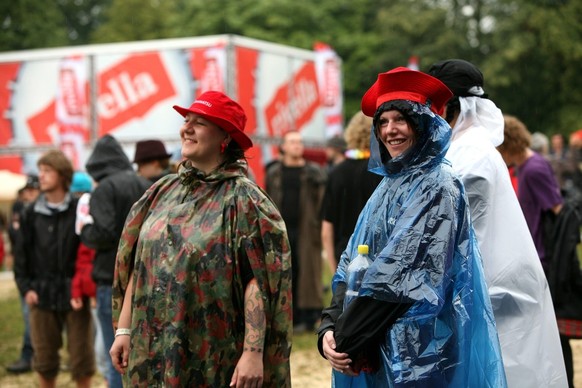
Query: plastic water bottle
(356, 271)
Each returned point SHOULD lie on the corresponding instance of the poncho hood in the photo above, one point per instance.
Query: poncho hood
(432, 143)
(478, 112)
(189, 174)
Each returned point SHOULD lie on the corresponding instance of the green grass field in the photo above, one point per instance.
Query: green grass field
(11, 328)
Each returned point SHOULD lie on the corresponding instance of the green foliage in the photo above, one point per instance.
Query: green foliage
(129, 20)
(28, 24)
(533, 73)
(31, 24)
(82, 17)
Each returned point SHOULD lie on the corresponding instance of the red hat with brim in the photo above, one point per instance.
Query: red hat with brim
(403, 83)
(219, 109)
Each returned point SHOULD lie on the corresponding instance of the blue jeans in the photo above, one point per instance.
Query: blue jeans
(101, 355)
(26, 352)
(105, 319)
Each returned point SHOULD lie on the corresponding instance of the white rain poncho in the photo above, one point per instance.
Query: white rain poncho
(519, 293)
(424, 252)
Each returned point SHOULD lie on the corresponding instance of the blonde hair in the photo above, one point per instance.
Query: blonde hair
(358, 131)
(516, 137)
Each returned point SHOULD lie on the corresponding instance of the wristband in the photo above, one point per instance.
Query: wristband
(119, 332)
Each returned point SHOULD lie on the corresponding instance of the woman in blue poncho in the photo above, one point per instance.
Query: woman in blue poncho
(423, 316)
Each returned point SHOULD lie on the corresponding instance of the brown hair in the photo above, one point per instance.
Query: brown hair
(516, 137)
(56, 159)
(358, 131)
(233, 152)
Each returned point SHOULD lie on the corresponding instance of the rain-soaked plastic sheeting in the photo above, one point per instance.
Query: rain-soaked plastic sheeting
(423, 248)
(520, 297)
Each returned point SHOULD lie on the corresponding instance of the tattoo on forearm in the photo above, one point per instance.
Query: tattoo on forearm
(255, 321)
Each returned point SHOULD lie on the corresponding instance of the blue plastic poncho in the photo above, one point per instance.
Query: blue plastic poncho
(424, 252)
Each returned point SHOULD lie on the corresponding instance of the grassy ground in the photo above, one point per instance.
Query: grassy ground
(11, 328)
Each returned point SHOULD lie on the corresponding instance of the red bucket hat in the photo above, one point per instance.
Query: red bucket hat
(402, 83)
(218, 108)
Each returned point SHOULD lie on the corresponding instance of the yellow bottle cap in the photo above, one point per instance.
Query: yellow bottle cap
(363, 249)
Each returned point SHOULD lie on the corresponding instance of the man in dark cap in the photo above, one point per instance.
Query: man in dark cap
(26, 195)
(522, 305)
(153, 162)
(31, 189)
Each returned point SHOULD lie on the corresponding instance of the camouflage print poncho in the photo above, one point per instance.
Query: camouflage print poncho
(188, 235)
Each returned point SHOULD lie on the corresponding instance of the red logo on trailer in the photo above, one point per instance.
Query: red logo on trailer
(331, 87)
(208, 68)
(72, 109)
(43, 123)
(294, 103)
(130, 89)
(8, 73)
(246, 62)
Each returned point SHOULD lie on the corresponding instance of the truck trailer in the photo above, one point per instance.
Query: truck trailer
(71, 96)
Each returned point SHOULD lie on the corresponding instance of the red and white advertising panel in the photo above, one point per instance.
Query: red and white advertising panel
(49, 100)
(130, 88)
(72, 109)
(8, 73)
(33, 108)
(294, 102)
(413, 63)
(50, 105)
(246, 70)
(329, 79)
(208, 68)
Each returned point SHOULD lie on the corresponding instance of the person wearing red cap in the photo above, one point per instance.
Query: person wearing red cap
(203, 276)
(422, 316)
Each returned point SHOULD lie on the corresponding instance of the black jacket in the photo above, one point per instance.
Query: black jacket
(49, 248)
(118, 188)
(359, 329)
(564, 275)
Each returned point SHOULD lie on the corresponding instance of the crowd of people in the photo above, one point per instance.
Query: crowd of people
(194, 275)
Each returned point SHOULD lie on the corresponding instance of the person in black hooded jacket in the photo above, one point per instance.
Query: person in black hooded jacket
(118, 188)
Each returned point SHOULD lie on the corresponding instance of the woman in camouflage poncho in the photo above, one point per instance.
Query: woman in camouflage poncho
(202, 290)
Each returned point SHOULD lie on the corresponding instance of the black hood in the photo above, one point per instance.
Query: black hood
(107, 158)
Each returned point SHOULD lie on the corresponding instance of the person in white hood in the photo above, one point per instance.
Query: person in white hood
(519, 292)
